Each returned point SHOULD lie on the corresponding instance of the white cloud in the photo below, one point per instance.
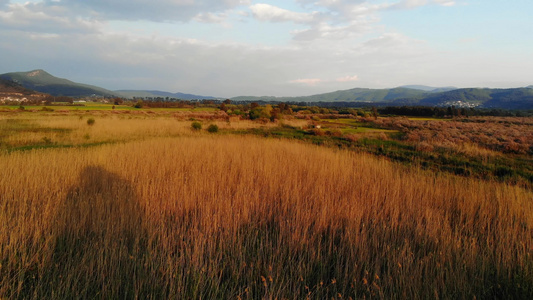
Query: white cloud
(348, 78)
(37, 17)
(445, 2)
(324, 30)
(158, 11)
(267, 12)
(409, 4)
(307, 81)
(211, 18)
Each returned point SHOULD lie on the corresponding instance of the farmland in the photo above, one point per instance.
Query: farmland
(138, 204)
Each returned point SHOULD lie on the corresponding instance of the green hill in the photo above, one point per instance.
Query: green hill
(160, 94)
(352, 95)
(517, 98)
(11, 87)
(41, 81)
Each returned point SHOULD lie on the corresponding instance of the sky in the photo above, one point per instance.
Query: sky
(227, 48)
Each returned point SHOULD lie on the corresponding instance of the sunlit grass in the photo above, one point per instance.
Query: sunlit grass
(167, 212)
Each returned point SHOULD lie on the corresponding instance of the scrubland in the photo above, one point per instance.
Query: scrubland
(148, 208)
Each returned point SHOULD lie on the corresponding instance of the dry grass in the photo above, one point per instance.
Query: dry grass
(225, 217)
(20, 129)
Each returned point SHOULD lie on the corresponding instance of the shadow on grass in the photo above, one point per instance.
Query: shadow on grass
(101, 248)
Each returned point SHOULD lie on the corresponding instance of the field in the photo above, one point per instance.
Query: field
(137, 204)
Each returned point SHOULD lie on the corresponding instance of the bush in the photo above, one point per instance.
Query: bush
(213, 128)
(196, 125)
(90, 121)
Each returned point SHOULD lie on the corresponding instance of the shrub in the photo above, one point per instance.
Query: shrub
(90, 121)
(196, 125)
(213, 128)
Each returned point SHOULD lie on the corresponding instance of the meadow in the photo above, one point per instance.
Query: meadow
(137, 204)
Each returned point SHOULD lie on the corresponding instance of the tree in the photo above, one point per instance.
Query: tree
(223, 107)
(375, 112)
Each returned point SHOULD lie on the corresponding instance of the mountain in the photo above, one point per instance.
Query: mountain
(352, 95)
(517, 98)
(11, 87)
(161, 94)
(41, 81)
(430, 88)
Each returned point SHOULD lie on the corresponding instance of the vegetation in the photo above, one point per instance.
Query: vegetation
(300, 205)
(196, 125)
(213, 128)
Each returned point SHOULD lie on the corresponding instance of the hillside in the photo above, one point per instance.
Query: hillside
(431, 89)
(41, 81)
(11, 87)
(160, 94)
(517, 98)
(351, 95)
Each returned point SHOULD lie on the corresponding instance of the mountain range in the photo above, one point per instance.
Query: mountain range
(41, 81)
(159, 94)
(514, 98)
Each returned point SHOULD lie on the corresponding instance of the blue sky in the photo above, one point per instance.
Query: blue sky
(227, 48)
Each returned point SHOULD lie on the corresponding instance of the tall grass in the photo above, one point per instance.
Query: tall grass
(228, 217)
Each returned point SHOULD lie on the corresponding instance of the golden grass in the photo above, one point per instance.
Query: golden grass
(70, 128)
(225, 217)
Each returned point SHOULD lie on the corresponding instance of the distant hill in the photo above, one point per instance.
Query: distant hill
(11, 87)
(41, 81)
(518, 98)
(157, 94)
(430, 88)
(352, 95)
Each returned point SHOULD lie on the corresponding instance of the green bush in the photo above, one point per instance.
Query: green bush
(213, 128)
(196, 125)
(90, 121)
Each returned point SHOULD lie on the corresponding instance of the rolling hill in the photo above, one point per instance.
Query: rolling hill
(431, 89)
(160, 94)
(351, 95)
(516, 98)
(41, 81)
(11, 87)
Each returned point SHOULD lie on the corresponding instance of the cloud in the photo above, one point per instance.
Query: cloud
(409, 4)
(445, 2)
(348, 78)
(211, 18)
(157, 11)
(36, 17)
(324, 30)
(270, 13)
(307, 81)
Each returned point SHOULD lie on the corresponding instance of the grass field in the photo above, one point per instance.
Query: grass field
(142, 206)
(94, 106)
